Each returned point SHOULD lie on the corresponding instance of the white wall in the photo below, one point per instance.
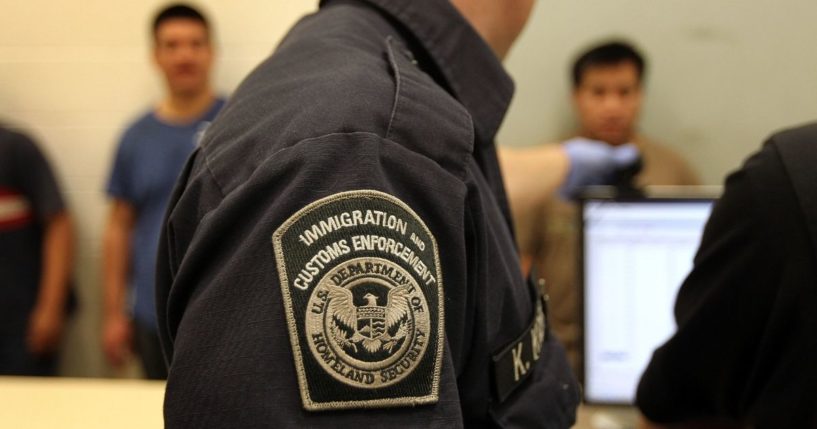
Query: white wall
(722, 75)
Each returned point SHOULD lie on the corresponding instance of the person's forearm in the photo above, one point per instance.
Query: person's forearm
(57, 259)
(116, 334)
(116, 248)
(533, 174)
(531, 177)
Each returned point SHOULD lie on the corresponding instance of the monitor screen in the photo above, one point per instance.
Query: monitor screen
(635, 256)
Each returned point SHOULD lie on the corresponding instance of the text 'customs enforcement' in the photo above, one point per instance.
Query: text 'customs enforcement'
(363, 291)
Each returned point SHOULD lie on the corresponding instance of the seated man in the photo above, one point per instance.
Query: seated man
(607, 95)
(746, 345)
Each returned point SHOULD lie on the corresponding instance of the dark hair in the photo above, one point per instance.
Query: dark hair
(179, 11)
(607, 54)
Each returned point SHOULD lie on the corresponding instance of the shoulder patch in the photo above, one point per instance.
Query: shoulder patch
(363, 292)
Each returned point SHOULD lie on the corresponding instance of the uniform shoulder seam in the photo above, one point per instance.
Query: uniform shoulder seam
(397, 83)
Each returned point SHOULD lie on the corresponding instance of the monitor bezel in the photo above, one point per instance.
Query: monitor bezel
(654, 195)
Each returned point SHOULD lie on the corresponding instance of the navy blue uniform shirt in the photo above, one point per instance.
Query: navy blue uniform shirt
(339, 252)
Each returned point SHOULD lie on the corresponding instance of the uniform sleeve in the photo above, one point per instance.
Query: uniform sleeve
(723, 305)
(310, 295)
(37, 179)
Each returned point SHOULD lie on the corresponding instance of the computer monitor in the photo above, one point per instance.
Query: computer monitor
(635, 254)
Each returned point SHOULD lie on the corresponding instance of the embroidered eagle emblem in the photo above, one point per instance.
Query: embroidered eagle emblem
(373, 326)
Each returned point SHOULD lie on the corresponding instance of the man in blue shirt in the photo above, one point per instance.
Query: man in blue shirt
(150, 156)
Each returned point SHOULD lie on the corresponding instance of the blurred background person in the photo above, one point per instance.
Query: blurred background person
(36, 253)
(608, 92)
(150, 155)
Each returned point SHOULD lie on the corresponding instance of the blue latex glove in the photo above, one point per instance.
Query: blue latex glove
(594, 163)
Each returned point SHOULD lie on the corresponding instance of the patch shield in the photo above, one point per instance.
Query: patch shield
(362, 287)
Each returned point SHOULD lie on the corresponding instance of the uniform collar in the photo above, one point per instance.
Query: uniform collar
(472, 71)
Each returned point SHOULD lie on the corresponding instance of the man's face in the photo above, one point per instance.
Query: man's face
(607, 101)
(183, 53)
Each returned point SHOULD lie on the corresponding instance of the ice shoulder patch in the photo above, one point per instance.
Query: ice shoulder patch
(363, 293)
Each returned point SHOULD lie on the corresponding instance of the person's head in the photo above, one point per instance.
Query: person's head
(607, 91)
(499, 22)
(182, 48)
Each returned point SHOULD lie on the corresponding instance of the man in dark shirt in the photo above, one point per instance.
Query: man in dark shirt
(746, 345)
(35, 259)
(339, 249)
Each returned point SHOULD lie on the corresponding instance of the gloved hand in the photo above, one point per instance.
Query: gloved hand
(594, 163)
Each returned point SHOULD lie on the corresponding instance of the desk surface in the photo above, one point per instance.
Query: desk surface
(87, 403)
(69, 403)
(601, 417)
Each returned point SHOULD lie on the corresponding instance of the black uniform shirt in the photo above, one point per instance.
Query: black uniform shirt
(746, 344)
(352, 169)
